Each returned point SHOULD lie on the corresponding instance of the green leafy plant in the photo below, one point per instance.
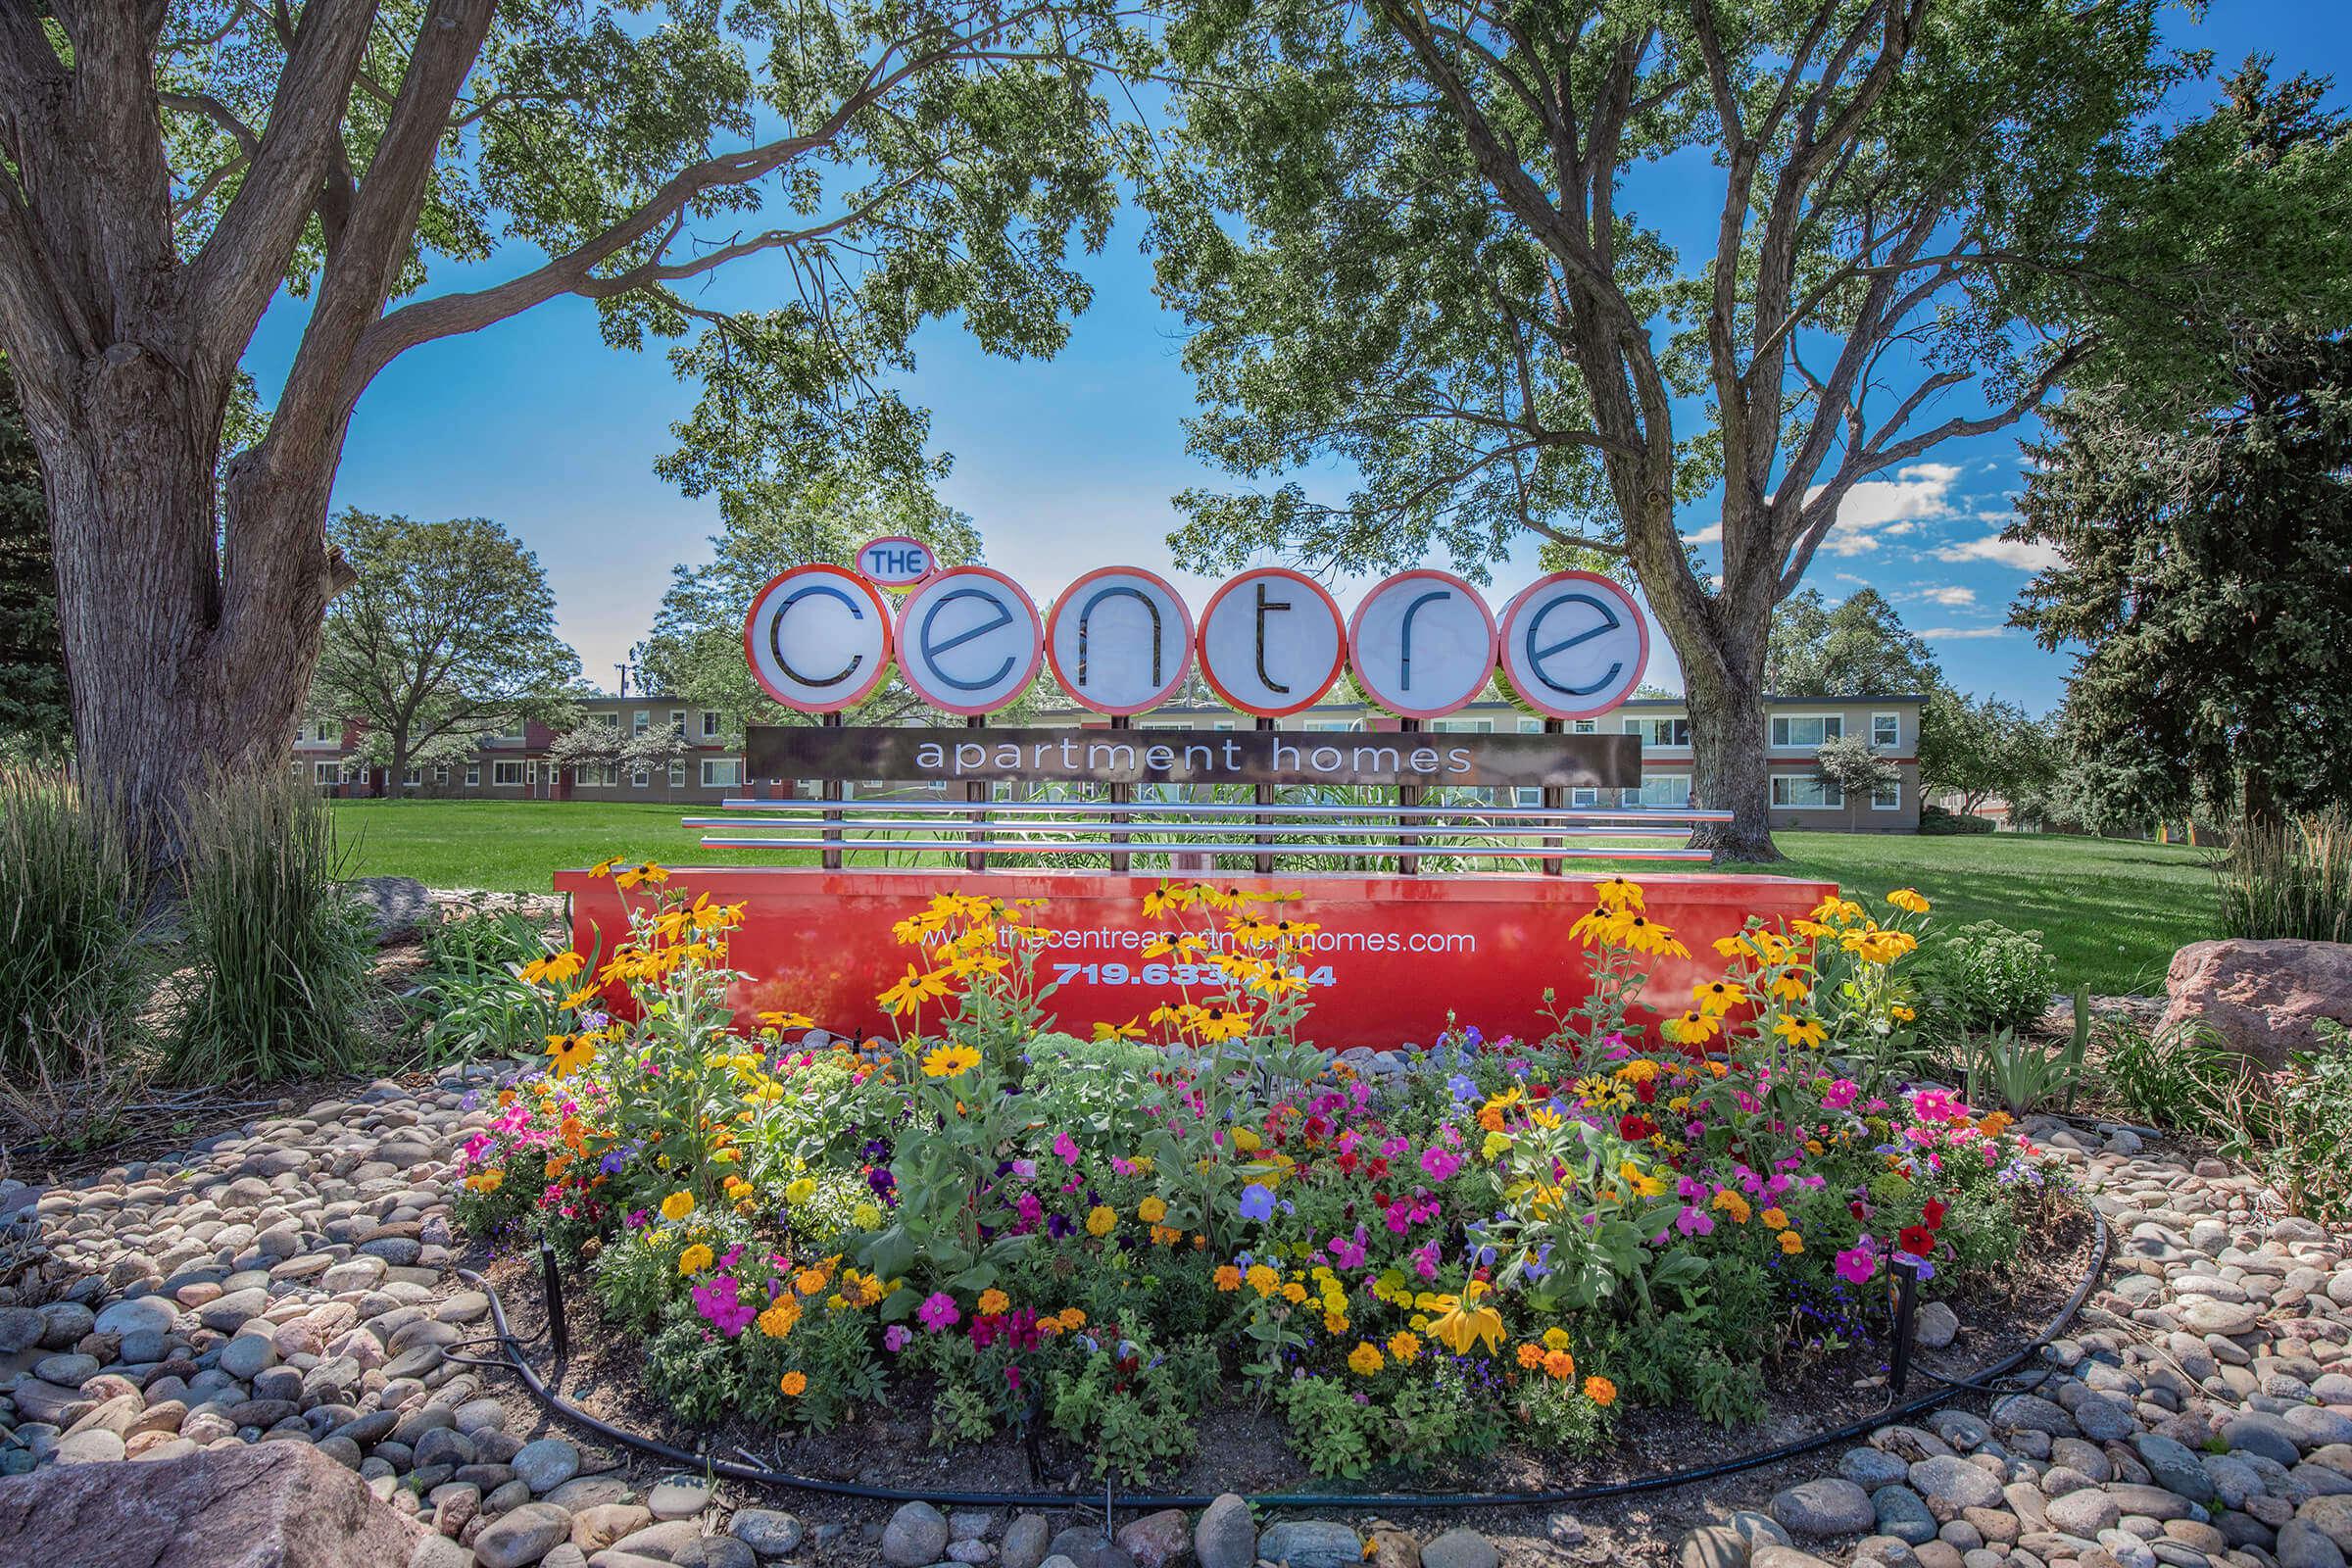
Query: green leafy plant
(1332, 1432)
(473, 1000)
(279, 955)
(1987, 976)
(2021, 1073)
(2290, 878)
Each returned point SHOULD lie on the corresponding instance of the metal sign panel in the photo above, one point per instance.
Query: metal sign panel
(1436, 759)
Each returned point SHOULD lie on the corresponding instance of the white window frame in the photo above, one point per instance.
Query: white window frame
(1330, 726)
(677, 775)
(326, 774)
(733, 767)
(411, 778)
(1892, 740)
(1888, 797)
(1780, 723)
(440, 774)
(677, 723)
(639, 778)
(474, 775)
(1463, 727)
(712, 725)
(1640, 726)
(1640, 792)
(1832, 793)
(641, 720)
(499, 779)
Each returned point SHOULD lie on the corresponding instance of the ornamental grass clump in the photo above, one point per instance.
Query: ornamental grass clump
(2289, 878)
(1107, 1237)
(277, 954)
(72, 897)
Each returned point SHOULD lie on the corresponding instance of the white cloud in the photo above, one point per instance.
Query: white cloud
(1951, 634)
(1950, 598)
(2023, 555)
(1878, 509)
(1711, 534)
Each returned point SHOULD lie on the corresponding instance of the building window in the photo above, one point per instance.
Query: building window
(1463, 727)
(711, 727)
(639, 778)
(1659, 731)
(474, 775)
(1886, 731)
(412, 775)
(721, 772)
(677, 775)
(678, 721)
(1806, 730)
(1330, 724)
(640, 722)
(506, 776)
(1662, 792)
(1588, 726)
(326, 772)
(1888, 797)
(1802, 792)
(441, 773)
(1592, 797)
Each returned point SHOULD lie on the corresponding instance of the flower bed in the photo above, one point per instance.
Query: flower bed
(1104, 1237)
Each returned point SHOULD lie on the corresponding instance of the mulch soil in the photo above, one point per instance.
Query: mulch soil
(1243, 1449)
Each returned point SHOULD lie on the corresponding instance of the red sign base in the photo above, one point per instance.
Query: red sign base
(1396, 961)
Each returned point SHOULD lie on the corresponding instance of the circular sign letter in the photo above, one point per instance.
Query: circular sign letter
(817, 638)
(896, 560)
(1574, 645)
(1272, 642)
(968, 639)
(1120, 640)
(1422, 644)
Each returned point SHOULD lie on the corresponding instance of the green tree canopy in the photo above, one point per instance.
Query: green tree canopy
(1411, 237)
(447, 636)
(1857, 647)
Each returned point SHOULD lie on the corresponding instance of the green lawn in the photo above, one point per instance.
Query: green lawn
(2112, 911)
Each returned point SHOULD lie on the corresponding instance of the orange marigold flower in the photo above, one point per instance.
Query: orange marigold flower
(1559, 1364)
(1600, 1390)
(795, 1383)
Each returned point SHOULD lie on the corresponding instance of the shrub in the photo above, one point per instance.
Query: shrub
(72, 900)
(475, 1002)
(1935, 819)
(279, 955)
(2290, 879)
(1986, 976)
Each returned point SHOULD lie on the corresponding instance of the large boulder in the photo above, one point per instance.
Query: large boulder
(268, 1505)
(399, 908)
(2264, 998)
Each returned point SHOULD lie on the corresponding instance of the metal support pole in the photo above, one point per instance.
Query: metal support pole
(832, 791)
(1409, 796)
(977, 792)
(1555, 798)
(1264, 862)
(1121, 795)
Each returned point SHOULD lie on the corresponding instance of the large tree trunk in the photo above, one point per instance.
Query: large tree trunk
(1727, 741)
(178, 668)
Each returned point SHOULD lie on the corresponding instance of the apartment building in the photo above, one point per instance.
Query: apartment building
(521, 766)
(1796, 729)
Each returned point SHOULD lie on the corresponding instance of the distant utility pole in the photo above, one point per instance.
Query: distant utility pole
(635, 659)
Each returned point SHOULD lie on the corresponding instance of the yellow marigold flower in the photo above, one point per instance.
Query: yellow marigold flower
(1900, 1013)
(801, 1189)
(647, 873)
(1909, 899)
(867, 1217)
(912, 992)
(1264, 1280)
(951, 1061)
(1691, 1028)
(1404, 1347)
(1335, 1322)
(1791, 1243)
(1151, 1210)
(1735, 946)
(794, 1384)
(810, 1280)
(1775, 1219)
(1600, 1390)
(677, 1205)
(1227, 1278)
(993, 1302)
(1246, 1140)
(1099, 1219)
(1555, 1339)
(1641, 934)
(488, 1181)
(1835, 909)
(695, 1260)
(1294, 1293)
(1071, 1319)
(1365, 1359)
(1560, 1365)
(1639, 1070)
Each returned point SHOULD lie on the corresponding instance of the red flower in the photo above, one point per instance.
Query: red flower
(1539, 1092)
(1376, 1167)
(1933, 1217)
(1646, 1091)
(1349, 1161)
(1633, 1127)
(1917, 1239)
(1858, 1208)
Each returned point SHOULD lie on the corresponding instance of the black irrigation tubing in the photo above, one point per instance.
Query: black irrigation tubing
(1344, 1501)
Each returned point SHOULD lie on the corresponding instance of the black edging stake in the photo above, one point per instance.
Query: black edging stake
(551, 1295)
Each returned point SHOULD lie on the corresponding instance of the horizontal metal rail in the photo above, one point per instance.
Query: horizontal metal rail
(1565, 815)
(1246, 831)
(1357, 851)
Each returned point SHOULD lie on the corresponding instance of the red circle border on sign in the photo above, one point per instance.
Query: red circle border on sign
(1494, 645)
(1184, 665)
(1641, 627)
(1200, 645)
(1037, 654)
(874, 596)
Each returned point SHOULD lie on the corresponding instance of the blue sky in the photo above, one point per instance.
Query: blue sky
(1068, 464)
